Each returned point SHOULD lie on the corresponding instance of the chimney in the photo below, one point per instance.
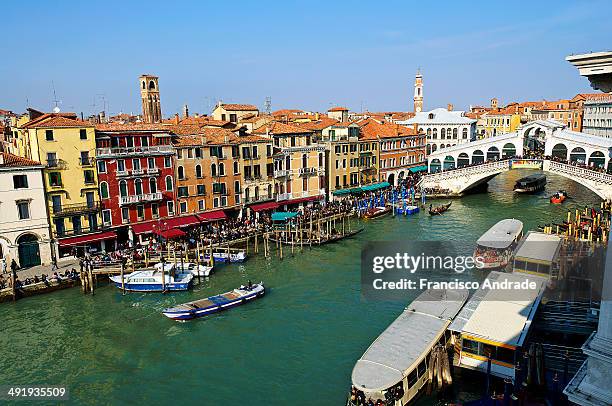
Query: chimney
(102, 117)
(203, 139)
(176, 118)
(416, 128)
(185, 111)
(226, 138)
(449, 107)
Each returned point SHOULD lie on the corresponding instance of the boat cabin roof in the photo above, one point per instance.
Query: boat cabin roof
(501, 315)
(396, 351)
(539, 247)
(502, 234)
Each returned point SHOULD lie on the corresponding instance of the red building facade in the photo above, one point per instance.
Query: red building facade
(135, 165)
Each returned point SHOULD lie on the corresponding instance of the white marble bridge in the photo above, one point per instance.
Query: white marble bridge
(465, 166)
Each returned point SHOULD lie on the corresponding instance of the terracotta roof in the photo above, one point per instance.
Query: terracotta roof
(131, 127)
(598, 97)
(217, 136)
(56, 120)
(318, 125)
(286, 112)
(338, 109)
(276, 128)
(239, 107)
(372, 129)
(10, 160)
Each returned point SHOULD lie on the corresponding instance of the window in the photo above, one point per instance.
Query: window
(268, 150)
(233, 118)
(198, 171)
(123, 188)
(183, 207)
(151, 163)
(89, 176)
(60, 228)
(144, 141)
(237, 186)
(76, 225)
(219, 188)
(23, 209)
(140, 211)
(106, 217)
(236, 168)
(49, 135)
(201, 190)
(201, 205)
(170, 206)
(104, 190)
(83, 134)
(412, 378)
(120, 165)
(169, 183)
(125, 215)
(20, 181)
(136, 164)
(138, 186)
(221, 169)
(101, 166)
(52, 161)
(84, 160)
(223, 117)
(183, 191)
(181, 173)
(198, 152)
(190, 153)
(167, 162)
(152, 185)
(422, 368)
(155, 210)
(213, 170)
(305, 184)
(55, 179)
(56, 203)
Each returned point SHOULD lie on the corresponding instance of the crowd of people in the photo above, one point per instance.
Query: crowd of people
(358, 398)
(6, 282)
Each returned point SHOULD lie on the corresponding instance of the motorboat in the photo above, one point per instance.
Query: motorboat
(153, 280)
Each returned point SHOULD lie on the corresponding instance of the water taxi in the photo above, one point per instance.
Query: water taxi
(558, 197)
(495, 323)
(376, 212)
(217, 303)
(151, 281)
(185, 267)
(397, 364)
(496, 245)
(223, 256)
(530, 184)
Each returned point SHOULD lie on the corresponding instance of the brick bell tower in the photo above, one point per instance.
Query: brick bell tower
(149, 93)
(418, 92)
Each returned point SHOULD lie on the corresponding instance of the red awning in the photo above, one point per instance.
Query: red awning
(84, 239)
(172, 233)
(167, 223)
(302, 200)
(264, 206)
(212, 215)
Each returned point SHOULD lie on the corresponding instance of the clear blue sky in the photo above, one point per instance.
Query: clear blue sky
(303, 54)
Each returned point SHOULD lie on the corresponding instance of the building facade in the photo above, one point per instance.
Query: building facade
(234, 113)
(597, 118)
(443, 127)
(149, 95)
(24, 225)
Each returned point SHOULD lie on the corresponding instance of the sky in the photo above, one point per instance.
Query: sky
(303, 54)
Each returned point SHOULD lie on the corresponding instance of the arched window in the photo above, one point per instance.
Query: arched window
(221, 169)
(152, 185)
(103, 190)
(181, 172)
(236, 168)
(198, 170)
(123, 188)
(288, 162)
(454, 133)
(168, 183)
(237, 186)
(431, 116)
(435, 134)
(138, 186)
(304, 161)
(443, 133)
(151, 85)
(213, 169)
(448, 133)
(428, 132)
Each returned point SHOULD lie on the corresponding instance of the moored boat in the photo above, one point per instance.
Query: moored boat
(152, 281)
(377, 212)
(494, 248)
(217, 303)
(530, 184)
(397, 364)
(434, 211)
(223, 256)
(185, 267)
(558, 197)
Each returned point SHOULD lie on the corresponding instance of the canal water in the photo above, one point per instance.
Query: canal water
(296, 346)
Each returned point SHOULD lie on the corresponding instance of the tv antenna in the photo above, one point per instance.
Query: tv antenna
(56, 109)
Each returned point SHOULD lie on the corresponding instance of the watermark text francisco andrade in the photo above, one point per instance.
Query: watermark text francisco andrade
(424, 283)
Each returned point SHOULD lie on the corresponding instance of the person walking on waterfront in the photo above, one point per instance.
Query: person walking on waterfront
(3, 265)
(14, 267)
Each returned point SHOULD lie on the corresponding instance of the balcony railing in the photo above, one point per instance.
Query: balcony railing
(55, 164)
(152, 171)
(122, 151)
(282, 173)
(86, 161)
(147, 197)
(260, 198)
(307, 171)
(78, 208)
(283, 196)
(138, 171)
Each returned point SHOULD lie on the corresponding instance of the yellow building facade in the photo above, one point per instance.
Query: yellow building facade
(501, 121)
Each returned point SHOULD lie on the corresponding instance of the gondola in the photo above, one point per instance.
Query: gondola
(439, 209)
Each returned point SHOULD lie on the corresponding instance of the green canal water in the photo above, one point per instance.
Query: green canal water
(296, 346)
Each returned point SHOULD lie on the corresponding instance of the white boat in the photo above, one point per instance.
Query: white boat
(186, 267)
(151, 281)
(222, 256)
(495, 246)
(397, 364)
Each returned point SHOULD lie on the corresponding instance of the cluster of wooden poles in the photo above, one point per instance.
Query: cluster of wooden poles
(589, 224)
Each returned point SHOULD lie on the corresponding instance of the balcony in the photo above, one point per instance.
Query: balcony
(152, 171)
(258, 199)
(78, 208)
(307, 171)
(252, 157)
(127, 151)
(282, 173)
(252, 179)
(86, 161)
(133, 199)
(283, 196)
(138, 171)
(55, 164)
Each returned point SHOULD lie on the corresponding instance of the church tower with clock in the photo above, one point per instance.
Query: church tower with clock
(418, 92)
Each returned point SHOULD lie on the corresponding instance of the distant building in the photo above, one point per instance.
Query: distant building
(418, 93)
(234, 113)
(597, 118)
(443, 128)
(24, 226)
(151, 104)
(338, 113)
(502, 120)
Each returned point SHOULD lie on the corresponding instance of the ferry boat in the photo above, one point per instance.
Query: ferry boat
(530, 184)
(151, 281)
(222, 256)
(495, 246)
(217, 303)
(397, 364)
(185, 267)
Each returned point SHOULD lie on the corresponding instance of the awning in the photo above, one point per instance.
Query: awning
(264, 206)
(301, 200)
(375, 186)
(416, 169)
(283, 215)
(342, 192)
(172, 233)
(212, 215)
(85, 239)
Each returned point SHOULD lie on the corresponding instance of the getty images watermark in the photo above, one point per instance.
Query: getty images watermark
(389, 269)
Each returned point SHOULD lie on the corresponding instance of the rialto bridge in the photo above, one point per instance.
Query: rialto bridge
(581, 157)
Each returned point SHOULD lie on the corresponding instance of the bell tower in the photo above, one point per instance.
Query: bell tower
(418, 92)
(149, 93)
